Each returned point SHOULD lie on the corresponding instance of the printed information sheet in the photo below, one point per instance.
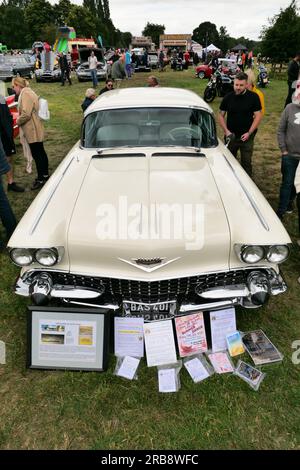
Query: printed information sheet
(222, 322)
(159, 342)
(129, 337)
(191, 334)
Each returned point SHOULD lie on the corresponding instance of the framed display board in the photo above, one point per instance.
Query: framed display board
(67, 338)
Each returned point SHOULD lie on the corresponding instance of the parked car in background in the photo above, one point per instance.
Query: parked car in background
(83, 73)
(50, 70)
(13, 65)
(153, 60)
(141, 63)
(101, 232)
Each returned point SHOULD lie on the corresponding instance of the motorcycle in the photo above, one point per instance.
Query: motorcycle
(263, 77)
(219, 85)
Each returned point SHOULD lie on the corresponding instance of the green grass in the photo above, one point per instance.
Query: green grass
(73, 410)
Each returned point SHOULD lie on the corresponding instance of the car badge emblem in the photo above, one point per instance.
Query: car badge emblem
(148, 261)
(148, 264)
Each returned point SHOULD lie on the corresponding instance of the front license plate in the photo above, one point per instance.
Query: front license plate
(150, 312)
(265, 80)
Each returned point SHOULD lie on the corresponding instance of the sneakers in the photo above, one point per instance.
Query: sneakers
(37, 184)
(290, 207)
(15, 187)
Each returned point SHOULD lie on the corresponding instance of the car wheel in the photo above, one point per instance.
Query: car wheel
(201, 75)
(209, 95)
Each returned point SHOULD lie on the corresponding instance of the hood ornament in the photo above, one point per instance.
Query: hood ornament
(148, 264)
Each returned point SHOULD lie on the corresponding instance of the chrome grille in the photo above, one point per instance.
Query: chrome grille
(156, 291)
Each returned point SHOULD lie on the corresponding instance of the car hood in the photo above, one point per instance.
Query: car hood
(122, 214)
(85, 53)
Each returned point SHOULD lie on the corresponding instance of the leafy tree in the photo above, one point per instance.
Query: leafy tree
(206, 33)
(38, 14)
(82, 20)
(154, 31)
(12, 30)
(280, 41)
(61, 12)
(224, 39)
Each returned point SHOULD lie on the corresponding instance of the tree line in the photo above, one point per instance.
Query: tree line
(22, 22)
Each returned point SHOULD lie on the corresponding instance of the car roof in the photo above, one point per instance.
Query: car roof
(148, 97)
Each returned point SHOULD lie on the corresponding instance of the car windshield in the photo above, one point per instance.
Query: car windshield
(149, 127)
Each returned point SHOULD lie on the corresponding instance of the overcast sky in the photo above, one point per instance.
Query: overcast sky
(241, 17)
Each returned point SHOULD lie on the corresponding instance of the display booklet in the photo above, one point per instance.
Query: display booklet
(191, 335)
(127, 367)
(235, 344)
(249, 374)
(260, 348)
(168, 377)
(221, 362)
(198, 368)
(222, 322)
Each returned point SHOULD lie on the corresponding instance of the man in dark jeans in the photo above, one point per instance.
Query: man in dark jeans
(64, 68)
(244, 114)
(6, 214)
(293, 74)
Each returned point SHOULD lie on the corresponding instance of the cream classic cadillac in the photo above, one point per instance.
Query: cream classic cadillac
(150, 215)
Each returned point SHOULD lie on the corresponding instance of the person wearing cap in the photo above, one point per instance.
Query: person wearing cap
(90, 95)
(288, 135)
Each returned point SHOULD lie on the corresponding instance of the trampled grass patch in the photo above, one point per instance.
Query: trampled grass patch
(74, 410)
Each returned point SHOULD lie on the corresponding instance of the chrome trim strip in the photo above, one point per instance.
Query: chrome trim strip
(226, 292)
(71, 292)
(209, 306)
(249, 197)
(107, 306)
(41, 212)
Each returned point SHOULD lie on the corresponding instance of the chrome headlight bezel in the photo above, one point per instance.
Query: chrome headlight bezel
(257, 250)
(280, 258)
(33, 255)
(15, 252)
(46, 256)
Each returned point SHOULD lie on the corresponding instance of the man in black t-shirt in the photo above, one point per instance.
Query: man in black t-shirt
(243, 111)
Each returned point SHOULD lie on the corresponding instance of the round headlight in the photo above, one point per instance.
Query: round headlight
(278, 253)
(252, 254)
(46, 256)
(21, 256)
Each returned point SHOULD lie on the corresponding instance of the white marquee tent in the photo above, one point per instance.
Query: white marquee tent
(211, 48)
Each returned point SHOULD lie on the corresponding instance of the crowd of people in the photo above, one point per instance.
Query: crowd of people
(240, 115)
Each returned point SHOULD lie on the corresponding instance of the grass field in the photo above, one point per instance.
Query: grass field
(74, 410)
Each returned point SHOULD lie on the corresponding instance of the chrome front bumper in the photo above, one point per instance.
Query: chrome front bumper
(260, 285)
